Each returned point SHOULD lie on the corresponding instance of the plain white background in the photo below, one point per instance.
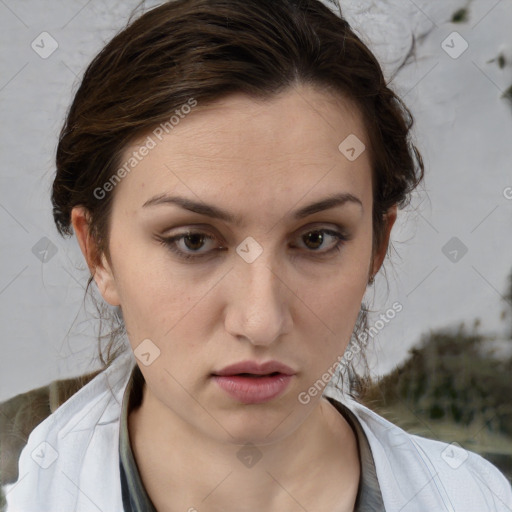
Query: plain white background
(463, 128)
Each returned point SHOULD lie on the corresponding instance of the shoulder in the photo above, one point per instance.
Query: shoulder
(461, 466)
(88, 405)
(415, 472)
(20, 414)
(83, 427)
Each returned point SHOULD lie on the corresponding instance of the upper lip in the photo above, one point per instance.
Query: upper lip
(255, 368)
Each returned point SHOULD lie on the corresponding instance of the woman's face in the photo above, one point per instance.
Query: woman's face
(268, 280)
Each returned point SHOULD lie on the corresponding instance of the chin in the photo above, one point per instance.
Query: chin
(258, 424)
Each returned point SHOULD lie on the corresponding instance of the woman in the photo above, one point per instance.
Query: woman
(232, 170)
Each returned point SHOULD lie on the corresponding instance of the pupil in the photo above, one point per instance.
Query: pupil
(316, 235)
(188, 238)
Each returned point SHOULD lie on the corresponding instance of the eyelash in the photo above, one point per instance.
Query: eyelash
(170, 243)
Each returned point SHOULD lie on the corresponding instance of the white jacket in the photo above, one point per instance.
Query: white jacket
(71, 460)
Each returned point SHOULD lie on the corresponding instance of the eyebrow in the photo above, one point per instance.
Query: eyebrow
(201, 208)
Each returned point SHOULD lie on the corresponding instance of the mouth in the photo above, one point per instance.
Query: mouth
(253, 375)
(255, 369)
(251, 382)
(250, 388)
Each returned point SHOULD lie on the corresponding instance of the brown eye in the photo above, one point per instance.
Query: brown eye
(315, 238)
(194, 241)
(188, 245)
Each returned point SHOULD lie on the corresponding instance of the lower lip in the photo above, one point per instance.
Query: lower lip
(253, 390)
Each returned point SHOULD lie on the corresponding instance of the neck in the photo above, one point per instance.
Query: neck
(183, 468)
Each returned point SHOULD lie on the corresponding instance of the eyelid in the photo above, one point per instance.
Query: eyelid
(205, 229)
(169, 242)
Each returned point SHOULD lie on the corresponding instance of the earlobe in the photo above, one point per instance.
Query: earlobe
(98, 265)
(106, 282)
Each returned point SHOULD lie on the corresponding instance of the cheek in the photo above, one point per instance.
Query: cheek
(331, 311)
(337, 294)
(326, 341)
(338, 310)
(150, 291)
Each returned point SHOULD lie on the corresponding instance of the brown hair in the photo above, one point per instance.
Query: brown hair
(207, 50)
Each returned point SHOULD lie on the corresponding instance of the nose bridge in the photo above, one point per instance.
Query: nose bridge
(262, 286)
(260, 278)
(258, 309)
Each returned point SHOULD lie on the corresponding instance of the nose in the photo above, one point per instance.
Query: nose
(258, 304)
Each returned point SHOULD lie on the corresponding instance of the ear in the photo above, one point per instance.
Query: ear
(380, 252)
(97, 263)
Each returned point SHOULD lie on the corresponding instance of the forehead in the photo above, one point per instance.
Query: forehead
(244, 146)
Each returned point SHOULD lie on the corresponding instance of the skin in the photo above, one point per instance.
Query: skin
(260, 161)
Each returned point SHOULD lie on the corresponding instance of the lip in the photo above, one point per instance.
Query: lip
(255, 368)
(250, 382)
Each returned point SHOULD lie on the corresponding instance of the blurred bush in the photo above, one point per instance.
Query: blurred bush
(452, 388)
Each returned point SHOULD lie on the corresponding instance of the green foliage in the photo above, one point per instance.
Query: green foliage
(451, 389)
(449, 377)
